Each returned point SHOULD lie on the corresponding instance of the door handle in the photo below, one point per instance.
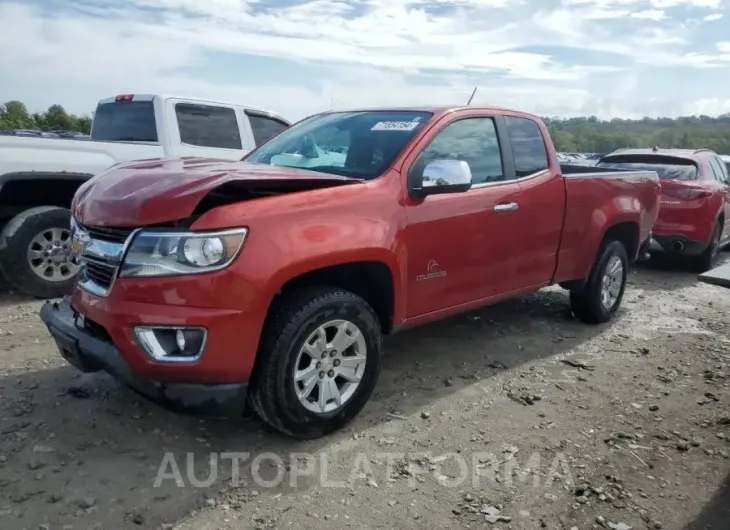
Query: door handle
(509, 207)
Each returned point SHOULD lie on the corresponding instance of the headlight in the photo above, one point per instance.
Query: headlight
(175, 253)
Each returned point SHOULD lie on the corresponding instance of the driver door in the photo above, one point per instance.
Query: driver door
(461, 245)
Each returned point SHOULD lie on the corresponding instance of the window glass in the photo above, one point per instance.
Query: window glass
(264, 127)
(528, 146)
(473, 140)
(124, 121)
(208, 126)
(717, 169)
(351, 144)
(668, 168)
(725, 168)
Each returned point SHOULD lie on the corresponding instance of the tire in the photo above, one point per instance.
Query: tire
(16, 239)
(706, 261)
(291, 321)
(587, 303)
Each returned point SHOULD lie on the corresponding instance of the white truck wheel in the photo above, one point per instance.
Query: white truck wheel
(35, 252)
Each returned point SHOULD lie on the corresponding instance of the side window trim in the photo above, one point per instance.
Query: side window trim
(192, 104)
(505, 148)
(259, 114)
(508, 169)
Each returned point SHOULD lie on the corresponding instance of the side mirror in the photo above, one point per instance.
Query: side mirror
(439, 176)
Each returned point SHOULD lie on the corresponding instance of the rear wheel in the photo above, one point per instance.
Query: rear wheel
(35, 252)
(318, 362)
(708, 258)
(603, 291)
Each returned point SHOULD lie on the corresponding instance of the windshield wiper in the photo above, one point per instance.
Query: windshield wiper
(329, 170)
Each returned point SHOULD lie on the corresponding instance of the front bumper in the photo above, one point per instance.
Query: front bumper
(90, 353)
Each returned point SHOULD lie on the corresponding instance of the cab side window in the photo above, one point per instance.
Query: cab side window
(264, 127)
(473, 140)
(208, 126)
(528, 146)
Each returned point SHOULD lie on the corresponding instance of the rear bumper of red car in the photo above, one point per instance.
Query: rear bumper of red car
(677, 244)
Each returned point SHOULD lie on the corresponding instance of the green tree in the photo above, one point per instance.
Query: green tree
(589, 134)
(15, 115)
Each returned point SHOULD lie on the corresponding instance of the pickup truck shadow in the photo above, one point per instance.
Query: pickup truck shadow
(10, 297)
(664, 273)
(84, 436)
(717, 513)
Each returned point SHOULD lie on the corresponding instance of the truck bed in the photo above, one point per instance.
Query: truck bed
(572, 170)
(592, 195)
(24, 154)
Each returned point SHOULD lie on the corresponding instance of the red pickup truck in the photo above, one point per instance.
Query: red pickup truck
(270, 282)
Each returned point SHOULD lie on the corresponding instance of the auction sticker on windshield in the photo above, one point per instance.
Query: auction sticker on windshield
(396, 125)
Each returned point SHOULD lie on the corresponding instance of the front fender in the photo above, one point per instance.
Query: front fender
(313, 245)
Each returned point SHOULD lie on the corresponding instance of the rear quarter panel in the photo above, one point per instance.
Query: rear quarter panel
(694, 219)
(597, 202)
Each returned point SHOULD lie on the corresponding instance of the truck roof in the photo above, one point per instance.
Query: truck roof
(437, 109)
(150, 97)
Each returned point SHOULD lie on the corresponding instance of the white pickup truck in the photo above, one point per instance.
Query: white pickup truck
(39, 176)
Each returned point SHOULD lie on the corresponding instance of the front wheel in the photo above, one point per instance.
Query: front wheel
(602, 293)
(35, 252)
(318, 362)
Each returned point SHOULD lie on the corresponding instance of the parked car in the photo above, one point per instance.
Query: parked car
(39, 176)
(272, 281)
(694, 217)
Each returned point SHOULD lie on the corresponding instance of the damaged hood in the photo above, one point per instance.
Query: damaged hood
(158, 191)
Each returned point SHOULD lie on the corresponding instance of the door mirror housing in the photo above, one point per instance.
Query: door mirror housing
(439, 176)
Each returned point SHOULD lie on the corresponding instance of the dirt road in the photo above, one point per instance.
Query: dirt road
(515, 416)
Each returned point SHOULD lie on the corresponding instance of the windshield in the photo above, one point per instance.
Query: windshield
(124, 121)
(351, 144)
(668, 168)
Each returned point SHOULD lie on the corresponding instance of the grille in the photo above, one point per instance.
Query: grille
(100, 273)
(104, 233)
(117, 235)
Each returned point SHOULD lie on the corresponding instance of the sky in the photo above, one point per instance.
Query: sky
(609, 58)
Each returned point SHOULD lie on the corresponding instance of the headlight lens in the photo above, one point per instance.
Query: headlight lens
(175, 253)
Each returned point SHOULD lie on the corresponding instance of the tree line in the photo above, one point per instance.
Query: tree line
(15, 115)
(583, 135)
(591, 135)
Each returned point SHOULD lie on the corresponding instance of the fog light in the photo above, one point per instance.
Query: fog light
(180, 339)
(172, 344)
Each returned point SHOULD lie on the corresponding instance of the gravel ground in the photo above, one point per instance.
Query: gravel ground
(512, 417)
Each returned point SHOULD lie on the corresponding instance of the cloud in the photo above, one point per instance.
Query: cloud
(650, 14)
(297, 57)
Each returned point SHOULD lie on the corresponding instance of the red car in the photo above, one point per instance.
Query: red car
(694, 216)
(270, 282)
